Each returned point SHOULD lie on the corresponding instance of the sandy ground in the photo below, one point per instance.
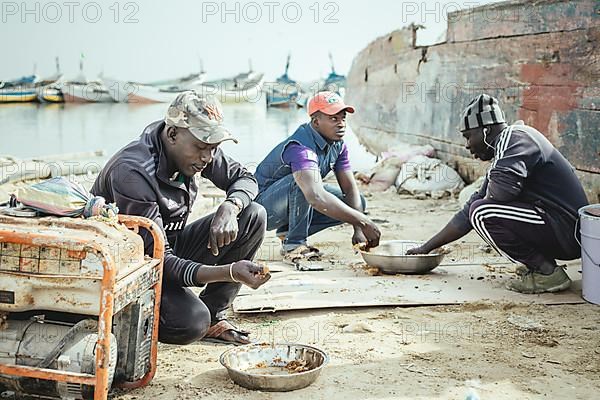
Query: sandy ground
(488, 351)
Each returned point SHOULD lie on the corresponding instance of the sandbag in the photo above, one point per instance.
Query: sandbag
(430, 176)
(384, 173)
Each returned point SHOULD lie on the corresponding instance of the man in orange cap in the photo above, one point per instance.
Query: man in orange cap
(290, 182)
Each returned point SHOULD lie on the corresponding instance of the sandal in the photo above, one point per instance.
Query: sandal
(213, 335)
(303, 257)
(302, 253)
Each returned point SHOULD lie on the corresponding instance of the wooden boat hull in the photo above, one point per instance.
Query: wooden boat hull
(544, 70)
(123, 91)
(182, 83)
(50, 94)
(143, 94)
(89, 93)
(249, 93)
(282, 99)
(17, 95)
(282, 103)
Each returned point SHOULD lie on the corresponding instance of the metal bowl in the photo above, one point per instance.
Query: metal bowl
(390, 257)
(270, 368)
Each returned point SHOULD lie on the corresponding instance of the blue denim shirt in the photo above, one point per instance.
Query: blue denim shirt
(272, 168)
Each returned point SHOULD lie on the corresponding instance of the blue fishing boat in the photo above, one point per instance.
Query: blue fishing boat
(18, 94)
(284, 92)
(31, 88)
(20, 90)
(335, 82)
(23, 81)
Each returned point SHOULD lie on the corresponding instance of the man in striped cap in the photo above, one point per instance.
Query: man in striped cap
(527, 206)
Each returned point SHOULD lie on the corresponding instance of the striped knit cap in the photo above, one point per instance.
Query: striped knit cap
(482, 110)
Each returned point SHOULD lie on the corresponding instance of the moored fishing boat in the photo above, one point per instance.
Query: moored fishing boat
(50, 89)
(89, 92)
(120, 91)
(284, 92)
(335, 82)
(50, 94)
(18, 94)
(145, 94)
(242, 88)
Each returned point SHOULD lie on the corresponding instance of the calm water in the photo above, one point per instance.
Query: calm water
(32, 130)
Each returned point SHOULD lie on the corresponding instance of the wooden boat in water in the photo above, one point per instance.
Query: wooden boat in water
(154, 92)
(541, 59)
(335, 82)
(50, 93)
(242, 88)
(19, 90)
(88, 92)
(145, 94)
(82, 90)
(18, 95)
(182, 83)
(284, 92)
(26, 89)
(50, 90)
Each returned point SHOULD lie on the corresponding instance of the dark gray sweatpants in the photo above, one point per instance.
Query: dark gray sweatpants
(185, 317)
(519, 231)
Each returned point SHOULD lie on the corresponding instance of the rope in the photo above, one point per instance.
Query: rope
(96, 206)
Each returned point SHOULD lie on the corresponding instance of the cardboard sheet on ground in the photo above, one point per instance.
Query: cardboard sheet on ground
(447, 284)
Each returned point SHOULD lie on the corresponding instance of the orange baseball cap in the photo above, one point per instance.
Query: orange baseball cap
(329, 103)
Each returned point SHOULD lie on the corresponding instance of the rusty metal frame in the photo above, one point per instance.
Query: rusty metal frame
(100, 379)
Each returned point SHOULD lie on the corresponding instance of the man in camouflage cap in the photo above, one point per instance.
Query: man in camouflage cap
(154, 177)
(201, 115)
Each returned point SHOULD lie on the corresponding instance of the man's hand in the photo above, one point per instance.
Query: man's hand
(370, 231)
(448, 234)
(223, 228)
(250, 274)
(358, 237)
(418, 250)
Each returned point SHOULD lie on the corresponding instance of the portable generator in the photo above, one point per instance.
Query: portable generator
(79, 306)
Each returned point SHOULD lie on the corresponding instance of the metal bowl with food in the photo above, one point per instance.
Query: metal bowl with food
(391, 258)
(274, 368)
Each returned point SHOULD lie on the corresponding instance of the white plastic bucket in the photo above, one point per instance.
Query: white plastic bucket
(590, 253)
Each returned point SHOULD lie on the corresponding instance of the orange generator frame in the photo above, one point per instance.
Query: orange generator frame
(100, 380)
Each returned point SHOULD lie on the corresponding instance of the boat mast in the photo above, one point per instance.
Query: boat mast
(331, 61)
(201, 63)
(287, 65)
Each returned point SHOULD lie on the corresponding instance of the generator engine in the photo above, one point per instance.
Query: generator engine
(61, 280)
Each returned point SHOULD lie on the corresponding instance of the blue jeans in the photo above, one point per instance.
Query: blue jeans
(289, 212)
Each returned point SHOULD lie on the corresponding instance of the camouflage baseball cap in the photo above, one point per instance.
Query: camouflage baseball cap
(202, 115)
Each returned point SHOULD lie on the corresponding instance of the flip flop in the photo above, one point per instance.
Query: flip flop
(215, 331)
(316, 250)
(302, 253)
(303, 257)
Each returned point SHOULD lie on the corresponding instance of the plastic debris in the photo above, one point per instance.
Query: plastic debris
(62, 197)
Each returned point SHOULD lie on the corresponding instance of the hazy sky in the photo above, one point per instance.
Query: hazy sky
(149, 40)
